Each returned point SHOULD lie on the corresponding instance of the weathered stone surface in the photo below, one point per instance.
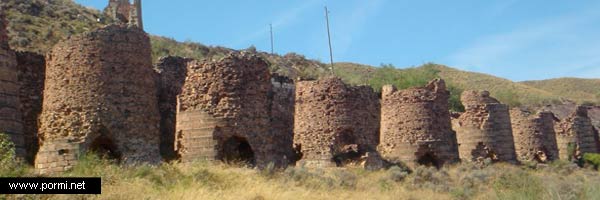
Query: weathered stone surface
(32, 70)
(334, 124)
(416, 127)
(534, 135)
(101, 95)
(282, 104)
(484, 129)
(125, 12)
(223, 112)
(173, 71)
(576, 131)
(10, 106)
(565, 109)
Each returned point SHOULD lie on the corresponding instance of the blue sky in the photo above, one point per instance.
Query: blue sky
(514, 39)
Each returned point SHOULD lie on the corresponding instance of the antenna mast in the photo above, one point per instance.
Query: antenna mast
(272, 48)
(329, 38)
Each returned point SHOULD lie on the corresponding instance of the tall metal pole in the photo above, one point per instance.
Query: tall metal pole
(272, 49)
(329, 38)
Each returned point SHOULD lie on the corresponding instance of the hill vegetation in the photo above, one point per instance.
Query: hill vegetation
(36, 25)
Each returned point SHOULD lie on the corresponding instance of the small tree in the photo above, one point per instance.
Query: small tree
(7, 150)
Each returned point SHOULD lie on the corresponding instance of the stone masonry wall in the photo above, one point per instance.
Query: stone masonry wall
(32, 70)
(10, 106)
(484, 129)
(416, 127)
(334, 123)
(282, 104)
(223, 112)
(100, 95)
(173, 71)
(534, 135)
(576, 130)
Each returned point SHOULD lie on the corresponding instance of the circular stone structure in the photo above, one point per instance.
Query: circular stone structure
(484, 129)
(416, 127)
(100, 95)
(535, 139)
(575, 135)
(223, 112)
(334, 124)
(10, 107)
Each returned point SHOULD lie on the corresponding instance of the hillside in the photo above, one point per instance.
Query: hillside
(580, 90)
(36, 25)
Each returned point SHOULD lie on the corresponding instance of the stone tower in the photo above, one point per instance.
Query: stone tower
(10, 107)
(484, 129)
(223, 112)
(534, 135)
(100, 95)
(577, 132)
(334, 123)
(125, 12)
(416, 127)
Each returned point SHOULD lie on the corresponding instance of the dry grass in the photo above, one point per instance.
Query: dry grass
(203, 180)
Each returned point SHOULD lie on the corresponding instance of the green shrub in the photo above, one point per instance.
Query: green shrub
(592, 159)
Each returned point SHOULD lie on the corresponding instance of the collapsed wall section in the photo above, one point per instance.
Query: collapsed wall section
(172, 72)
(484, 129)
(32, 70)
(11, 122)
(100, 95)
(334, 124)
(534, 135)
(282, 104)
(223, 112)
(575, 135)
(416, 127)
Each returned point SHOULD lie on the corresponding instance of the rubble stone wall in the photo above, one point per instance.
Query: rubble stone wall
(484, 129)
(416, 127)
(223, 112)
(32, 70)
(534, 135)
(576, 131)
(100, 95)
(10, 106)
(333, 121)
(282, 103)
(172, 72)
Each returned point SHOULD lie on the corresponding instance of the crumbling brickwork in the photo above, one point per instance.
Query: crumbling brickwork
(32, 70)
(334, 123)
(534, 135)
(223, 112)
(416, 127)
(100, 95)
(282, 104)
(10, 106)
(173, 71)
(125, 12)
(484, 129)
(577, 132)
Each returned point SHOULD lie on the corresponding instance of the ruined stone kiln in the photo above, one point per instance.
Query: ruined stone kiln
(100, 95)
(334, 124)
(484, 129)
(10, 106)
(223, 112)
(535, 139)
(577, 133)
(416, 127)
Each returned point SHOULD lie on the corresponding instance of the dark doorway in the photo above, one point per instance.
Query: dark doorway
(105, 148)
(237, 150)
(346, 150)
(430, 160)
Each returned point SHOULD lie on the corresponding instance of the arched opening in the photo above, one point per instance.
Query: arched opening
(105, 148)
(237, 150)
(430, 160)
(346, 149)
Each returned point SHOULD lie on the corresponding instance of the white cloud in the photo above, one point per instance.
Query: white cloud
(555, 47)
